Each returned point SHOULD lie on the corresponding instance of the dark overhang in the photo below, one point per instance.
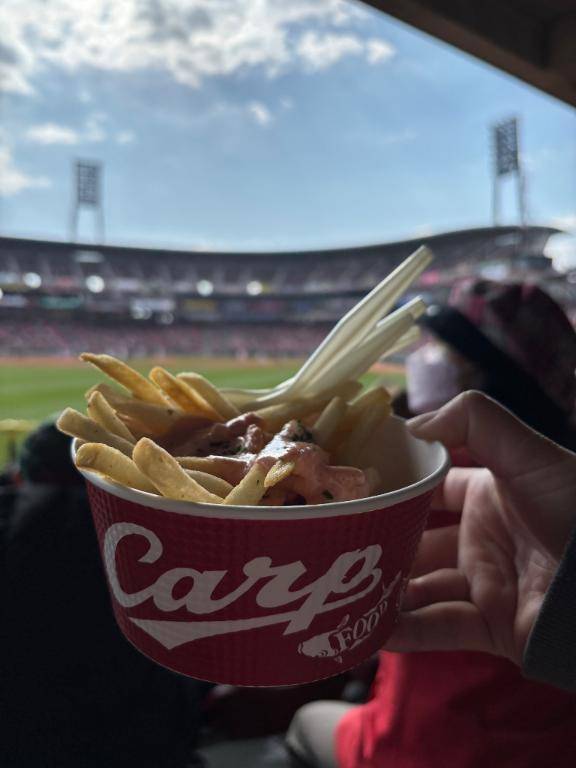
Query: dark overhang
(534, 40)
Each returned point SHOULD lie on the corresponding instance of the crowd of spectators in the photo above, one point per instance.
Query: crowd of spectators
(52, 339)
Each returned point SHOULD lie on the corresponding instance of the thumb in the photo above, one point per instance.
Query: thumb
(492, 435)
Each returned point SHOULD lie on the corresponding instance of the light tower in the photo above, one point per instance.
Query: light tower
(87, 175)
(506, 161)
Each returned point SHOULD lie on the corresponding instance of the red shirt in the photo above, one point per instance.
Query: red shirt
(457, 710)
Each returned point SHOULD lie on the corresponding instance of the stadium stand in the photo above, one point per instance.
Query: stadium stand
(60, 298)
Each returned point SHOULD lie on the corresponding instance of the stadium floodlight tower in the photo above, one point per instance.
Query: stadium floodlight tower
(87, 193)
(507, 161)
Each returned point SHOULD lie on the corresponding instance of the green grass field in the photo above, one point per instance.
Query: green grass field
(35, 391)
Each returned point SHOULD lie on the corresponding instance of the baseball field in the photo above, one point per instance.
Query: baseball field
(32, 390)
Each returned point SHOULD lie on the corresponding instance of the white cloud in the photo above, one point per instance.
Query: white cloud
(51, 133)
(378, 50)
(13, 180)
(13, 81)
(14, 57)
(260, 113)
(190, 39)
(322, 51)
(286, 103)
(125, 137)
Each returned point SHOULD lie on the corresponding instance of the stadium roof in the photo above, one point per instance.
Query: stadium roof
(535, 236)
(533, 40)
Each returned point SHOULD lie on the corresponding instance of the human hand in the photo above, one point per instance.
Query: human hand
(479, 585)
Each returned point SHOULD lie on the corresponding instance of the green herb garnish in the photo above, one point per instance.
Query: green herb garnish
(302, 435)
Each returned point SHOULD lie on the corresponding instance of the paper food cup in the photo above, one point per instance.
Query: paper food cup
(267, 596)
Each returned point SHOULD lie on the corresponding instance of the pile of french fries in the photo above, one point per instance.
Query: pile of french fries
(117, 435)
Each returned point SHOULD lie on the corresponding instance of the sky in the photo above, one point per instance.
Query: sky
(262, 125)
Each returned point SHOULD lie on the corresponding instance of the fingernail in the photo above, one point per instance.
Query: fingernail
(419, 421)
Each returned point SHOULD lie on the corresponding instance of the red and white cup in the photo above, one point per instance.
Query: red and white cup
(267, 596)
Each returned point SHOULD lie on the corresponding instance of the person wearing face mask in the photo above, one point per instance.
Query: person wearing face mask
(431, 709)
(508, 340)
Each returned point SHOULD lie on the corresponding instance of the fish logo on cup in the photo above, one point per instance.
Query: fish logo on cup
(332, 590)
(348, 634)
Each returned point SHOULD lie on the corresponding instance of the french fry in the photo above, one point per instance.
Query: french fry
(167, 475)
(207, 464)
(149, 418)
(210, 394)
(243, 400)
(278, 472)
(374, 479)
(114, 395)
(275, 416)
(153, 407)
(351, 449)
(329, 420)
(226, 467)
(211, 483)
(127, 376)
(75, 424)
(107, 461)
(102, 412)
(378, 393)
(250, 489)
(347, 391)
(183, 395)
(137, 429)
(376, 397)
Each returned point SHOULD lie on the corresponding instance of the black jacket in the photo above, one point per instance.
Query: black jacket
(76, 693)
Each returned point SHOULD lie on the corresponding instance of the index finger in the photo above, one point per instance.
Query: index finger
(438, 549)
(493, 437)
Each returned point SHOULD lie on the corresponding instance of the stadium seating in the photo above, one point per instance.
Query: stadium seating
(62, 298)
(35, 338)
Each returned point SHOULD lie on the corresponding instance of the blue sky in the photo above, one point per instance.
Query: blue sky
(260, 124)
